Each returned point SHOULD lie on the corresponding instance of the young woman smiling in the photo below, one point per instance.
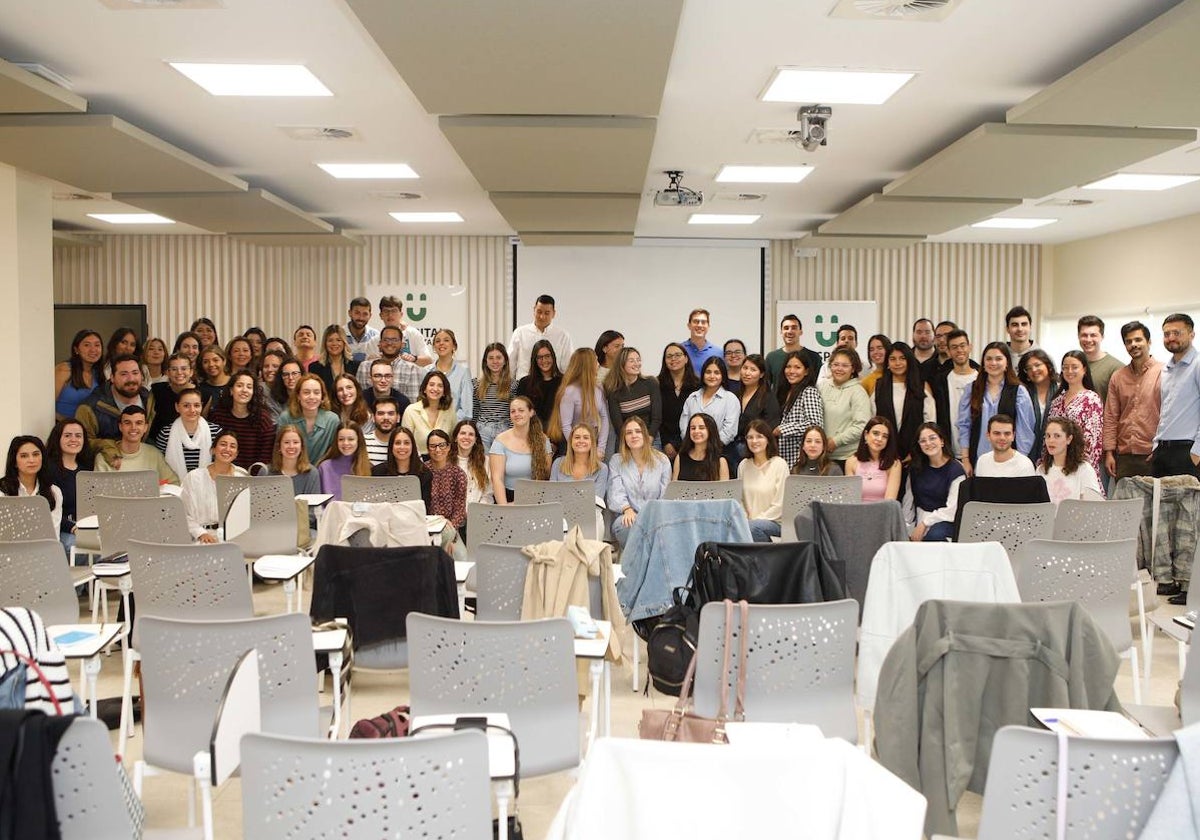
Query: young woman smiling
(335, 358)
(995, 391)
(763, 474)
(713, 400)
(802, 405)
(239, 355)
(814, 454)
(445, 348)
(434, 409)
(491, 393)
(700, 459)
(638, 473)
(199, 488)
(1036, 371)
(542, 382)
(290, 458)
(1068, 473)
(582, 460)
(241, 411)
(757, 402)
(847, 406)
(349, 403)
(676, 382)
(630, 394)
(466, 450)
(347, 455)
(213, 378)
(154, 362)
(903, 398)
(283, 384)
(448, 483)
(878, 347)
(933, 479)
(1079, 402)
(877, 461)
(402, 459)
(520, 452)
(308, 409)
(67, 452)
(76, 378)
(186, 444)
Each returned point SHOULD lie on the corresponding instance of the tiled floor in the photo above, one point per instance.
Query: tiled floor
(165, 796)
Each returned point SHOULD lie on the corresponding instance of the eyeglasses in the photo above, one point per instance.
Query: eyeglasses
(544, 357)
(735, 352)
(382, 375)
(439, 445)
(676, 356)
(290, 374)
(929, 440)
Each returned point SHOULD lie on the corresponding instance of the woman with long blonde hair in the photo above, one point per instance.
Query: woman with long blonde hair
(520, 452)
(580, 400)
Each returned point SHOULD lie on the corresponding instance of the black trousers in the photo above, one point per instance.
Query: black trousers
(1174, 459)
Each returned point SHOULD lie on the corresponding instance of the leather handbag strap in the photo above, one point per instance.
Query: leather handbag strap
(739, 712)
(723, 710)
(32, 663)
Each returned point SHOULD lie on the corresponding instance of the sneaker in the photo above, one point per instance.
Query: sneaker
(1168, 589)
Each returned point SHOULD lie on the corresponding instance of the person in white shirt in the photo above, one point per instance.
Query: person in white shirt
(1003, 461)
(958, 379)
(1068, 473)
(413, 348)
(199, 490)
(27, 473)
(520, 346)
(763, 476)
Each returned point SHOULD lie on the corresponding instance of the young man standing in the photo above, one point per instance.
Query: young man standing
(131, 454)
(1101, 365)
(1132, 408)
(1019, 324)
(1003, 461)
(412, 344)
(697, 345)
(1177, 440)
(520, 346)
(954, 382)
(358, 335)
(791, 330)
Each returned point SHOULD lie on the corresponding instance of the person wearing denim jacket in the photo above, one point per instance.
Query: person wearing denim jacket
(668, 532)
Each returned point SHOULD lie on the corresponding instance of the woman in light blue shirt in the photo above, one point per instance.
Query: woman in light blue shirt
(712, 399)
(637, 473)
(445, 345)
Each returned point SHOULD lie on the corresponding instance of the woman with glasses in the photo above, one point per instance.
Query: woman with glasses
(933, 480)
(676, 382)
(448, 483)
(543, 381)
(179, 378)
(284, 385)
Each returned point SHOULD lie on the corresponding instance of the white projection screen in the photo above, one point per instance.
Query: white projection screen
(646, 291)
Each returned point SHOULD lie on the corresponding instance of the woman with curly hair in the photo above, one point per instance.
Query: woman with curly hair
(877, 460)
(1068, 472)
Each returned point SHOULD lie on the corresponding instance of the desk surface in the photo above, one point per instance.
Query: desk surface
(98, 637)
(500, 745)
(594, 648)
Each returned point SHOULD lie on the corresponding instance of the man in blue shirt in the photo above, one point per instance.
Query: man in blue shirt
(698, 347)
(1177, 441)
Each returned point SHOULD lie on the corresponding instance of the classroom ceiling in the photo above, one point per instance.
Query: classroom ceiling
(556, 120)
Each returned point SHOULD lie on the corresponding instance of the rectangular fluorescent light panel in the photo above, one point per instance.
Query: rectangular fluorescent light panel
(1146, 183)
(723, 219)
(450, 216)
(369, 170)
(1013, 224)
(834, 87)
(132, 218)
(254, 79)
(764, 174)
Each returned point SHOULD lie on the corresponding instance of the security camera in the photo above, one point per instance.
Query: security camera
(814, 131)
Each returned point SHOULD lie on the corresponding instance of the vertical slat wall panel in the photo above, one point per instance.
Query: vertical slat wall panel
(973, 285)
(238, 284)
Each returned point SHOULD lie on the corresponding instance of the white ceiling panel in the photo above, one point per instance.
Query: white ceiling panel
(568, 212)
(22, 92)
(251, 211)
(891, 215)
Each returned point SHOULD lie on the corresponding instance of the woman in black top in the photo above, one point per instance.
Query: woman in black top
(676, 382)
(758, 403)
(67, 452)
(541, 385)
(404, 459)
(701, 459)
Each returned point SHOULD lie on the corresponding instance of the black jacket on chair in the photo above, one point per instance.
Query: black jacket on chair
(376, 588)
(1022, 490)
(763, 573)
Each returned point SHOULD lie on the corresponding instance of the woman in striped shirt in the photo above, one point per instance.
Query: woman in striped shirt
(492, 391)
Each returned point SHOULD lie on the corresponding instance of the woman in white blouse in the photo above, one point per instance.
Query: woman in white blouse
(763, 476)
(1068, 472)
(27, 473)
(186, 444)
(712, 399)
(466, 450)
(199, 490)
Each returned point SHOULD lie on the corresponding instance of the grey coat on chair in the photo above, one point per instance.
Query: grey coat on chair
(848, 535)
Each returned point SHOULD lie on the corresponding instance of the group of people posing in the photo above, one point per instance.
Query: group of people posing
(912, 422)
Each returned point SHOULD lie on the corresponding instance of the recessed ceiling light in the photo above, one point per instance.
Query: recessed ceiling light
(369, 170)
(1147, 183)
(764, 174)
(723, 218)
(254, 79)
(132, 218)
(1013, 224)
(450, 216)
(834, 87)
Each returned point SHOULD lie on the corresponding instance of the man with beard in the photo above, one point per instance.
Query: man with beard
(1132, 408)
(100, 413)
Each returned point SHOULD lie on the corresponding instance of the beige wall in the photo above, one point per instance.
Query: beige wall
(1145, 269)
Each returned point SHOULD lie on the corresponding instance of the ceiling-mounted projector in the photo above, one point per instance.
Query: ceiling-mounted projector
(675, 194)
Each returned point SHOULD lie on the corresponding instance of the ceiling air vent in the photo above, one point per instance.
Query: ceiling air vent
(1066, 202)
(395, 195)
(919, 10)
(739, 196)
(320, 132)
(126, 5)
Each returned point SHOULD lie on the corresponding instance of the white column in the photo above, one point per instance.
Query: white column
(26, 306)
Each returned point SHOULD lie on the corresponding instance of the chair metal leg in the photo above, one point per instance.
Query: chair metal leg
(202, 770)
(1137, 677)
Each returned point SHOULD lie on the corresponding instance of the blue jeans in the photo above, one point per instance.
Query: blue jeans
(939, 532)
(763, 529)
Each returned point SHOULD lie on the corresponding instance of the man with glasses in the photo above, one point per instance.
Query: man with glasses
(380, 375)
(412, 345)
(953, 382)
(406, 376)
(735, 354)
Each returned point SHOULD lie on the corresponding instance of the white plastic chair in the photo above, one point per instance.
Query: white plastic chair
(800, 490)
(381, 488)
(703, 490)
(578, 500)
(1008, 524)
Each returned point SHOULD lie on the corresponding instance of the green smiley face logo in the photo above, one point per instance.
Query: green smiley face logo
(826, 339)
(416, 314)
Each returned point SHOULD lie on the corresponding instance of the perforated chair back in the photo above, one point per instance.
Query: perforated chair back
(800, 490)
(1009, 525)
(799, 664)
(1112, 787)
(186, 664)
(90, 485)
(434, 787)
(703, 490)
(381, 488)
(195, 581)
(33, 575)
(1081, 520)
(159, 519)
(88, 798)
(1096, 574)
(525, 669)
(26, 518)
(578, 500)
(513, 524)
(500, 584)
(273, 513)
